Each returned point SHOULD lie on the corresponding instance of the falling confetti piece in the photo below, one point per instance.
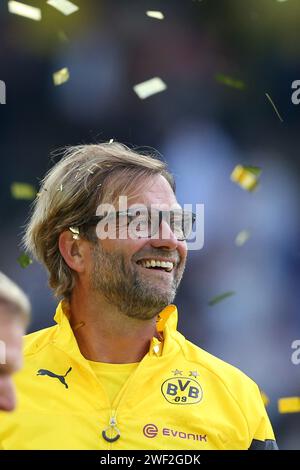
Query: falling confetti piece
(246, 176)
(219, 298)
(242, 237)
(155, 14)
(111, 141)
(22, 191)
(62, 36)
(228, 81)
(264, 397)
(274, 107)
(64, 6)
(149, 87)
(92, 168)
(18, 8)
(61, 76)
(289, 405)
(2, 92)
(253, 169)
(75, 231)
(24, 260)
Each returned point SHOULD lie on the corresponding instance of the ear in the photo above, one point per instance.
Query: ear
(73, 251)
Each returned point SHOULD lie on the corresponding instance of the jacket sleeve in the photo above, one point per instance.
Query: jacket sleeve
(263, 436)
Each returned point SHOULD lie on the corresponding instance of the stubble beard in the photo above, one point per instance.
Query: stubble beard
(124, 287)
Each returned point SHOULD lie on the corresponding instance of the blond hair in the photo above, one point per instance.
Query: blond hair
(12, 295)
(86, 176)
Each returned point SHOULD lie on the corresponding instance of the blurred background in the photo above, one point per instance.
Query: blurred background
(203, 126)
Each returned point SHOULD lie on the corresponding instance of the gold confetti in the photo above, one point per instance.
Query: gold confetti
(22, 191)
(92, 168)
(246, 176)
(219, 298)
(62, 36)
(253, 169)
(289, 405)
(274, 107)
(242, 237)
(24, 260)
(18, 8)
(64, 6)
(149, 87)
(155, 14)
(228, 81)
(75, 231)
(264, 397)
(61, 76)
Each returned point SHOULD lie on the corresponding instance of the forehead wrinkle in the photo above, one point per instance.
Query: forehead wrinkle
(157, 192)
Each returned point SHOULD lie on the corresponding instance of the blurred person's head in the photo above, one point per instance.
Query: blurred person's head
(85, 177)
(14, 316)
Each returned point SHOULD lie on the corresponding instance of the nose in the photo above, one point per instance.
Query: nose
(7, 394)
(165, 238)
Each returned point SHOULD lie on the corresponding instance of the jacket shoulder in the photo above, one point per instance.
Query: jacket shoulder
(232, 377)
(36, 341)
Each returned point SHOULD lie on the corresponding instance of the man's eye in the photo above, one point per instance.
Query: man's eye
(177, 220)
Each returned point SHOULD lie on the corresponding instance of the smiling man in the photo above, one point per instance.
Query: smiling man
(114, 373)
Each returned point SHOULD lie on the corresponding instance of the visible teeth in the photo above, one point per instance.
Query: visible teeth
(167, 265)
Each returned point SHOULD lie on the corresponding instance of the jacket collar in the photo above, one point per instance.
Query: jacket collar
(166, 325)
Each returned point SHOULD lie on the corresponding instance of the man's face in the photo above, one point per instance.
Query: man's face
(11, 332)
(119, 269)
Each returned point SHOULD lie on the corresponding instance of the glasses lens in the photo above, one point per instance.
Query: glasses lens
(138, 223)
(189, 219)
(181, 223)
(145, 223)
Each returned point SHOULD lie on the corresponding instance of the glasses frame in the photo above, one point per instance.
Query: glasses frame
(162, 215)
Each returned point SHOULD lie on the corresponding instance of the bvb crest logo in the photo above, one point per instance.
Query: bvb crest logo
(180, 390)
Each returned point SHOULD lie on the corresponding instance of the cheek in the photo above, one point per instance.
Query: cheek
(126, 248)
(182, 249)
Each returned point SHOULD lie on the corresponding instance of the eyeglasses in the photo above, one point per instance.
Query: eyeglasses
(141, 223)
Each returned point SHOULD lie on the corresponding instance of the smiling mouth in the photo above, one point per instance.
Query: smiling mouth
(166, 266)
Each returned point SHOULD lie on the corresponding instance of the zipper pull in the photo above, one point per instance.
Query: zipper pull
(114, 428)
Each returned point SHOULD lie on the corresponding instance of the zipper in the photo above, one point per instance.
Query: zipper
(112, 433)
(112, 428)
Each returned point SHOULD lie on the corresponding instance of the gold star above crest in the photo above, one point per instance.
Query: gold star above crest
(193, 373)
(177, 372)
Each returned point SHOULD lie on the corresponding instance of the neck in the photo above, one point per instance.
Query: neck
(104, 334)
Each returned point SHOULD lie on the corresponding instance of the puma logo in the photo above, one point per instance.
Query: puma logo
(61, 378)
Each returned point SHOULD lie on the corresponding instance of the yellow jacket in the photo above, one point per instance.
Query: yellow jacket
(179, 397)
